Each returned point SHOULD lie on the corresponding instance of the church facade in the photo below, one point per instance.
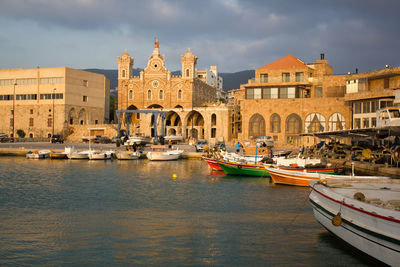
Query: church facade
(192, 110)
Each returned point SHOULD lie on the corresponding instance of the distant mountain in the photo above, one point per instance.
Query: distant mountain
(231, 80)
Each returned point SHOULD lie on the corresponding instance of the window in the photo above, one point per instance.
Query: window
(373, 122)
(318, 91)
(179, 94)
(49, 122)
(257, 125)
(27, 81)
(275, 123)
(285, 77)
(85, 83)
(385, 104)
(149, 95)
(336, 122)
(30, 122)
(357, 123)
(314, 123)
(374, 106)
(85, 98)
(249, 93)
(11, 122)
(51, 80)
(213, 132)
(214, 119)
(187, 72)
(161, 94)
(31, 111)
(299, 76)
(357, 108)
(287, 92)
(130, 95)
(293, 124)
(123, 73)
(6, 82)
(365, 122)
(257, 93)
(96, 121)
(264, 78)
(366, 107)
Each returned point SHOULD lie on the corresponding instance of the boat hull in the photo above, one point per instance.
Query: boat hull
(58, 155)
(159, 156)
(233, 168)
(78, 156)
(213, 164)
(126, 156)
(373, 230)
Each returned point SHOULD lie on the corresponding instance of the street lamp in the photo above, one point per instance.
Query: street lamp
(53, 96)
(15, 83)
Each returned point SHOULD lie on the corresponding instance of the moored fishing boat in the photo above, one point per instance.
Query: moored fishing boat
(212, 163)
(79, 155)
(363, 212)
(38, 154)
(96, 155)
(58, 155)
(302, 178)
(127, 155)
(243, 169)
(159, 152)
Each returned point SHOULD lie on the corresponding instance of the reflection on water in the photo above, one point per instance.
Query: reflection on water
(59, 212)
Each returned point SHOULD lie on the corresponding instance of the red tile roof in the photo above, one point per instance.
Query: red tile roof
(286, 62)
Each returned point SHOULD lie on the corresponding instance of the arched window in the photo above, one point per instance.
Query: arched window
(336, 122)
(275, 123)
(130, 96)
(314, 123)
(293, 124)
(123, 73)
(180, 94)
(161, 95)
(257, 125)
(213, 120)
(187, 72)
(149, 95)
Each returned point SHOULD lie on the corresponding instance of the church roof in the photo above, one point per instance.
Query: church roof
(286, 62)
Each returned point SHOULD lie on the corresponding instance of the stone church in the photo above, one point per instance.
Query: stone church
(192, 110)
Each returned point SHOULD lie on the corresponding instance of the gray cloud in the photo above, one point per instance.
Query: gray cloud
(234, 34)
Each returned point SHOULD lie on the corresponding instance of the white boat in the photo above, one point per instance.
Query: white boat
(96, 155)
(38, 154)
(79, 155)
(138, 139)
(296, 161)
(174, 138)
(229, 156)
(363, 212)
(160, 152)
(127, 155)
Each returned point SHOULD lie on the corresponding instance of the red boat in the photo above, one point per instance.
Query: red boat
(212, 163)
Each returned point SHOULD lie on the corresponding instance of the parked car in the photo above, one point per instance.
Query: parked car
(200, 145)
(57, 139)
(102, 139)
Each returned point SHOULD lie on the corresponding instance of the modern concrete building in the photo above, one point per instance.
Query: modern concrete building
(45, 101)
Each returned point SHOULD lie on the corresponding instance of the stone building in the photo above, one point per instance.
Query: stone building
(366, 92)
(45, 101)
(190, 102)
(289, 97)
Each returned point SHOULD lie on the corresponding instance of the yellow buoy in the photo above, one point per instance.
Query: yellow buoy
(174, 176)
(337, 220)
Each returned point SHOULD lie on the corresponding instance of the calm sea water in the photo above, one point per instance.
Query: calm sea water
(114, 213)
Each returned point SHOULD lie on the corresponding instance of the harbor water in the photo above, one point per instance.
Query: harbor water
(130, 213)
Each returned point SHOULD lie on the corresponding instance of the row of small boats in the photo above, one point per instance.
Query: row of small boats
(158, 153)
(364, 211)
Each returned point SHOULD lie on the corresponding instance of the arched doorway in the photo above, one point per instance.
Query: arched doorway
(82, 117)
(173, 123)
(195, 125)
(72, 119)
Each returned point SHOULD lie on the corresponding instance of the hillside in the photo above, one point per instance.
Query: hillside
(231, 80)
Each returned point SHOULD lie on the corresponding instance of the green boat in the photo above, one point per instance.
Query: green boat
(235, 168)
(248, 169)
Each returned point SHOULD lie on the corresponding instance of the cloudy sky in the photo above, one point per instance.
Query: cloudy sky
(235, 35)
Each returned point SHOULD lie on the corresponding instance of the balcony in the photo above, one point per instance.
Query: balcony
(279, 80)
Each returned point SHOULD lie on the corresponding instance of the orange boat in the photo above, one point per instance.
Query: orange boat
(213, 164)
(299, 178)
